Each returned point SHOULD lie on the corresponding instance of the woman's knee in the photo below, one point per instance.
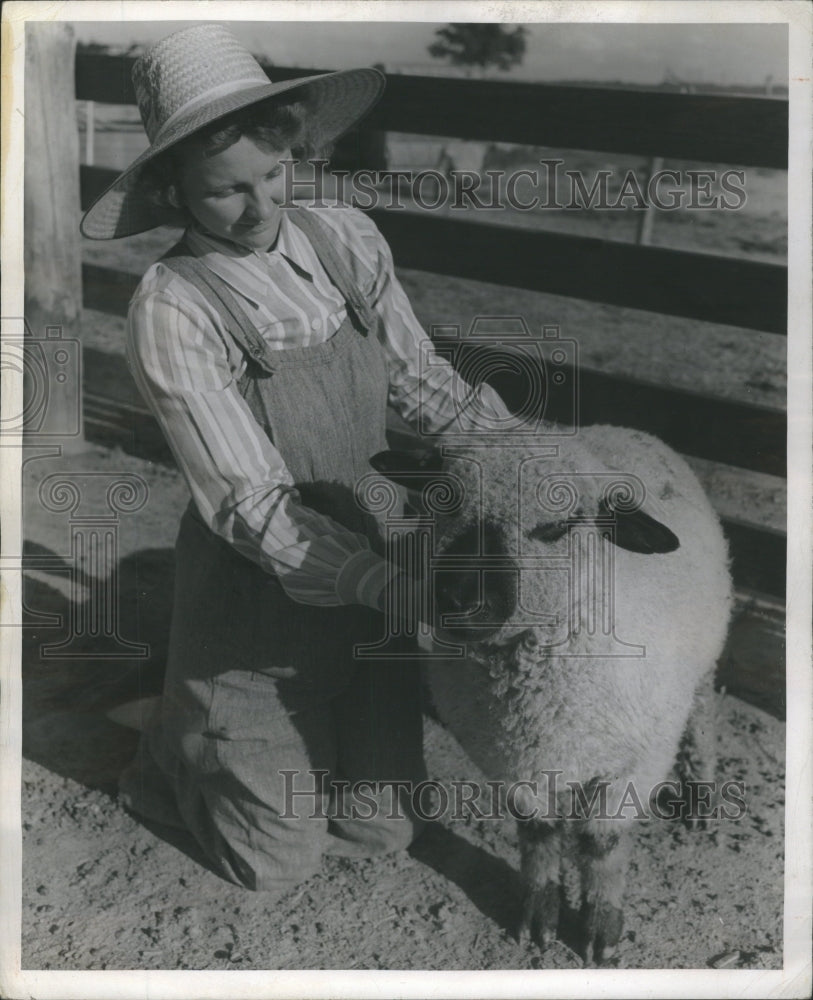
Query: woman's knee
(265, 873)
(266, 856)
(391, 827)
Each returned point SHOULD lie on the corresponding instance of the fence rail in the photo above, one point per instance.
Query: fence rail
(748, 131)
(742, 293)
(747, 435)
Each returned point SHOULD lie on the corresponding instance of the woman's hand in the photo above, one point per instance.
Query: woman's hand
(406, 599)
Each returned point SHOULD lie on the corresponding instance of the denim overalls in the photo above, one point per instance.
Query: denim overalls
(258, 684)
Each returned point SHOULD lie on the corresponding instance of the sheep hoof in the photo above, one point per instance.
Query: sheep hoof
(540, 915)
(602, 926)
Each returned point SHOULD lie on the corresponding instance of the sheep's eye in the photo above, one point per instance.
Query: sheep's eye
(549, 531)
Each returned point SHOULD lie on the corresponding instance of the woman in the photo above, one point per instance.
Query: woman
(268, 344)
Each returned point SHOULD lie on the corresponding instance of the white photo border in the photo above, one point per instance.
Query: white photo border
(795, 977)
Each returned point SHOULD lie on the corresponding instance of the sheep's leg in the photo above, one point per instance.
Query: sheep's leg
(604, 849)
(540, 852)
(697, 758)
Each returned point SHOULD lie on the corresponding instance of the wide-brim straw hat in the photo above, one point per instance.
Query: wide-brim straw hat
(192, 78)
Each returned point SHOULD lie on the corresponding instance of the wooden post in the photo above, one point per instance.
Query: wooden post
(52, 255)
(647, 218)
(90, 131)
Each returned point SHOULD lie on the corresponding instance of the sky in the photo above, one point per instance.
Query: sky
(632, 53)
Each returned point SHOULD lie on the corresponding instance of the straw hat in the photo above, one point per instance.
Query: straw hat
(196, 76)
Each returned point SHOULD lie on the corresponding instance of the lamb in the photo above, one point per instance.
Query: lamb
(588, 578)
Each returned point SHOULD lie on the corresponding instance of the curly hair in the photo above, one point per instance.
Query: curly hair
(271, 125)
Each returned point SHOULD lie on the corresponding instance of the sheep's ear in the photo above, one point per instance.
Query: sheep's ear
(637, 531)
(413, 469)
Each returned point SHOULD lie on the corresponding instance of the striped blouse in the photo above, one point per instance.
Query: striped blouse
(187, 365)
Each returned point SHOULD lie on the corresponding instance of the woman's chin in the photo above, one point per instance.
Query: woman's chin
(257, 237)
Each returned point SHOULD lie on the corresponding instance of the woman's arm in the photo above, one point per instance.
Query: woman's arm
(238, 480)
(425, 389)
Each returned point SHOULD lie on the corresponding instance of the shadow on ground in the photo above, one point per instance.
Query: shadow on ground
(68, 688)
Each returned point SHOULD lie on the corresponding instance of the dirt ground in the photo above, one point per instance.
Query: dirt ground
(102, 890)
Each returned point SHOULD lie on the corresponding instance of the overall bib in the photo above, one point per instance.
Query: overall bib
(259, 686)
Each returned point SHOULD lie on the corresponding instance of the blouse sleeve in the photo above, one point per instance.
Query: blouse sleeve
(425, 389)
(238, 480)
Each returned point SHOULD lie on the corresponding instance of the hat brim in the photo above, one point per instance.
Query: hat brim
(340, 100)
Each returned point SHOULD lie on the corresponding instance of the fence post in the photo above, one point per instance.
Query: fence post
(90, 131)
(647, 219)
(52, 253)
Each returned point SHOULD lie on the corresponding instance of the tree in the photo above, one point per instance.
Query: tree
(481, 45)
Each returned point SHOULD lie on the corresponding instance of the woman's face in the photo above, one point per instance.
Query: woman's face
(236, 194)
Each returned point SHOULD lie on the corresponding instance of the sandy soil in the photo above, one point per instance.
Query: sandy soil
(105, 891)
(116, 894)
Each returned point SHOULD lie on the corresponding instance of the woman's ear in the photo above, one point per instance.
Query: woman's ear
(173, 196)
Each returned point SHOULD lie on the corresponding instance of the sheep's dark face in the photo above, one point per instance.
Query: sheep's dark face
(475, 584)
(505, 505)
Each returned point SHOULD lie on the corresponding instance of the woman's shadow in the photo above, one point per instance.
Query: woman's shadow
(70, 680)
(65, 723)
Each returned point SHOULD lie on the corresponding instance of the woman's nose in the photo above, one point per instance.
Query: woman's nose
(260, 206)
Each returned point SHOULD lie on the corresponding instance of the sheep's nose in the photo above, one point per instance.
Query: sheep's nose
(472, 605)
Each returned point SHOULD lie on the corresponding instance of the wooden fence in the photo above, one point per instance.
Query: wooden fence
(746, 294)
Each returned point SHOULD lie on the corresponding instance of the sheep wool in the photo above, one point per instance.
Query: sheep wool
(617, 613)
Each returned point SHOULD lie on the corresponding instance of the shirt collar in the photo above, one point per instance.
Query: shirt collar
(221, 255)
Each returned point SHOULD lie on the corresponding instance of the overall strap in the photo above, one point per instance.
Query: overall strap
(215, 290)
(322, 240)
